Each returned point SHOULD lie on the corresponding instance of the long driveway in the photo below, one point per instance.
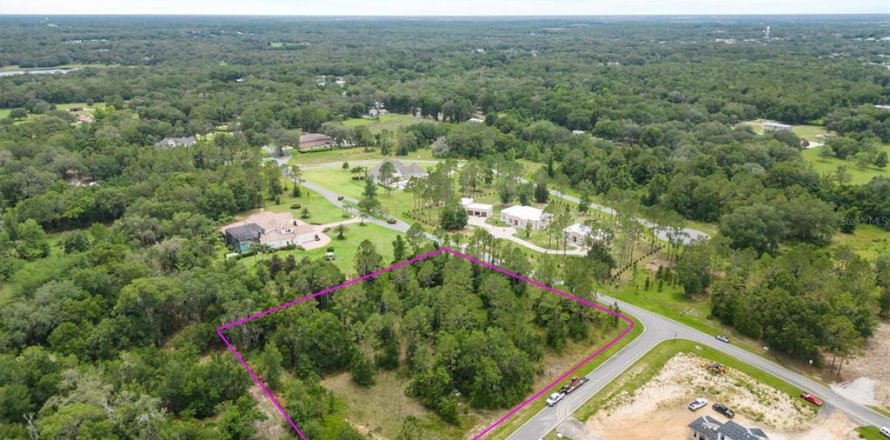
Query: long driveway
(657, 330)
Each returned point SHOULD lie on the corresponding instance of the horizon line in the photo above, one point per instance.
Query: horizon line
(175, 14)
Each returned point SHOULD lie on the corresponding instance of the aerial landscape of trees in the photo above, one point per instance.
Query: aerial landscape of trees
(113, 272)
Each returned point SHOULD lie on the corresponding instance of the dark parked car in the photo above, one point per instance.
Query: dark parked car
(723, 409)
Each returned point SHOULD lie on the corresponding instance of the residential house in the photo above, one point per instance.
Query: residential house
(173, 142)
(519, 216)
(775, 126)
(708, 428)
(577, 234)
(315, 141)
(276, 230)
(477, 209)
(400, 177)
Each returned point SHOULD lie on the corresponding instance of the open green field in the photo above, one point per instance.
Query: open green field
(321, 211)
(390, 121)
(510, 425)
(353, 154)
(87, 110)
(395, 203)
(867, 240)
(870, 433)
(651, 364)
(857, 175)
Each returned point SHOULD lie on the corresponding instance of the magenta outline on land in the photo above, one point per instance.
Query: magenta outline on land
(514, 410)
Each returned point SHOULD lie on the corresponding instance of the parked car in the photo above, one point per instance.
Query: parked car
(555, 398)
(391, 220)
(886, 431)
(697, 404)
(722, 338)
(812, 398)
(723, 409)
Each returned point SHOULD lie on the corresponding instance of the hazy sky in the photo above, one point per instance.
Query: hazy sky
(443, 7)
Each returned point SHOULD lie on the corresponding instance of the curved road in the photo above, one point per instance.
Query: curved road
(659, 329)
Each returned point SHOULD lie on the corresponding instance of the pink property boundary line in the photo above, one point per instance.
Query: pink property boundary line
(517, 408)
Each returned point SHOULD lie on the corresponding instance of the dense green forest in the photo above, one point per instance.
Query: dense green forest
(112, 268)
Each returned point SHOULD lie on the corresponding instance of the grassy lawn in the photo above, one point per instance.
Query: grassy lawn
(857, 175)
(510, 425)
(354, 154)
(391, 122)
(651, 364)
(394, 203)
(870, 433)
(867, 240)
(321, 211)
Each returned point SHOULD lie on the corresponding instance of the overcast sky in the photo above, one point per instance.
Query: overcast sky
(443, 7)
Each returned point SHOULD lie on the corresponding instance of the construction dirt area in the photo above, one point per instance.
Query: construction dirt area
(866, 379)
(658, 409)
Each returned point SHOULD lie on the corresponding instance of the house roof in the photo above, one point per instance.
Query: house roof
(247, 232)
(176, 142)
(578, 228)
(404, 170)
(315, 137)
(712, 429)
(479, 206)
(707, 426)
(525, 212)
(735, 431)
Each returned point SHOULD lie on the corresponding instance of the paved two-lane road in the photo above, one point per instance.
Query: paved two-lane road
(657, 330)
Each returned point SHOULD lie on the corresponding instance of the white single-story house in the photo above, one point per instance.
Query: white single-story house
(775, 126)
(477, 209)
(519, 216)
(577, 234)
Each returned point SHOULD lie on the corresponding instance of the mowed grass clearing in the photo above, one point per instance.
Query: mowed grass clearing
(353, 154)
(321, 211)
(390, 121)
(866, 240)
(395, 203)
(858, 176)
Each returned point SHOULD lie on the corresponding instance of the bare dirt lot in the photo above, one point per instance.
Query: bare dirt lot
(866, 379)
(658, 408)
